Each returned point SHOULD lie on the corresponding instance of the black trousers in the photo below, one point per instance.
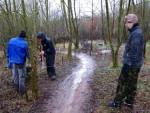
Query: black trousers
(127, 84)
(50, 61)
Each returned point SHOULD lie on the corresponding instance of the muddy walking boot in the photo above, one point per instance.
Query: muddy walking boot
(51, 72)
(129, 103)
(114, 104)
(53, 77)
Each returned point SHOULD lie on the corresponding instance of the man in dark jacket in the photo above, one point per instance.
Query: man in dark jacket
(49, 54)
(132, 62)
(17, 52)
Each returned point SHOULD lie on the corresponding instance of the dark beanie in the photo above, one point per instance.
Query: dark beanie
(41, 35)
(22, 34)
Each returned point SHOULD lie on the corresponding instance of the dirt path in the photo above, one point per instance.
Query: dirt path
(73, 91)
(72, 94)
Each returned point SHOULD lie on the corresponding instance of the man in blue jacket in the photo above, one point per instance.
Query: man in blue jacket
(132, 62)
(49, 54)
(17, 52)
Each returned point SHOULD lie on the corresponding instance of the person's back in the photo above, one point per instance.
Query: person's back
(17, 50)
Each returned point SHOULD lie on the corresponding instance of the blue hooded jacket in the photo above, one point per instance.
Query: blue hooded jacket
(17, 51)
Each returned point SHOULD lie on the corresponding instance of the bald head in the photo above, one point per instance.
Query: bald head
(131, 18)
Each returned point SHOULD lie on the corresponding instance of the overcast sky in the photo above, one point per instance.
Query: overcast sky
(85, 6)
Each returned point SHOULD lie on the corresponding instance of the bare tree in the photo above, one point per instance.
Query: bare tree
(115, 46)
(144, 22)
(76, 27)
(102, 22)
(8, 15)
(71, 25)
(33, 53)
(91, 31)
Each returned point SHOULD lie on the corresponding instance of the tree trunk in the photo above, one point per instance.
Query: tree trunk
(8, 17)
(108, 28)
(115, 48)
(115, 60)
(33, 53)
(102, 23)
(70, 29)
(47, 16)
(91, 31)
(69, 24)
(70, 50)
(143, 15)
(24, 17)
(76, 28)
(16, 23)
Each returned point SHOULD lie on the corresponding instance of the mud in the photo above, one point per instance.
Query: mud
(71, 95)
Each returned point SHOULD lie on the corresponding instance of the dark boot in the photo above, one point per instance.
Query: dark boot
(128, 103)
(114, 104)
(53, 77)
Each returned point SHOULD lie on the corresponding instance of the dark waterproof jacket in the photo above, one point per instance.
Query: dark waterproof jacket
(48, 47)
(49, 52)
(134, 49)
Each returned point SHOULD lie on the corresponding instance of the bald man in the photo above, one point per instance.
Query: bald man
(132, 62)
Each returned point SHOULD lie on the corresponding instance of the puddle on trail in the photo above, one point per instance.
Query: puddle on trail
(74, 90)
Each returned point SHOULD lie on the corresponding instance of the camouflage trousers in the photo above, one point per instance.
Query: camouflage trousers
(127, 84)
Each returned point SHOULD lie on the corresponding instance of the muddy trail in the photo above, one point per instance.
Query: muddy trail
(73, 93)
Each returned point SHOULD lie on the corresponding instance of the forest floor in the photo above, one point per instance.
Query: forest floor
(11, 102)
(72, 93)
(105, 82)
(102, 86)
